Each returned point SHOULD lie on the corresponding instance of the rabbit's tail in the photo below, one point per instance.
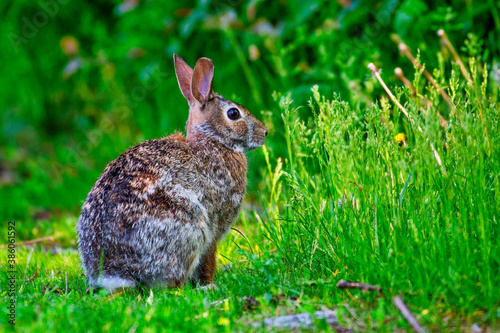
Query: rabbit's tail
(112, 283)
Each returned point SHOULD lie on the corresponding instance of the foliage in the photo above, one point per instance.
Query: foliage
(357, 204)
(345, 188)
(93, 79)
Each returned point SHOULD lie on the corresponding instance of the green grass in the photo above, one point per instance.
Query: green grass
(427, 231)
(52, 295)
(348, 202)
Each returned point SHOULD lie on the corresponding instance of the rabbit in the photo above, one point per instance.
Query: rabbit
(156, 213)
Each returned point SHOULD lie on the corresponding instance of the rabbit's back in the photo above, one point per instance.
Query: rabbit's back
(151, 213)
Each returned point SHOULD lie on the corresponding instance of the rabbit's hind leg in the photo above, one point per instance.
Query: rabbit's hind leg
(173, 248)
(204, 274)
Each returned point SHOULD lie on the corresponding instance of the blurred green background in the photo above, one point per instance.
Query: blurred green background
(83, 81)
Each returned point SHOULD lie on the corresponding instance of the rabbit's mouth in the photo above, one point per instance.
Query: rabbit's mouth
(257, 141)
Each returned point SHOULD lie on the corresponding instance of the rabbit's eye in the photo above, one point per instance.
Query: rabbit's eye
(233, 114)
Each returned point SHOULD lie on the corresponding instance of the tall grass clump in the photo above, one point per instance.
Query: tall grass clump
(362, 196)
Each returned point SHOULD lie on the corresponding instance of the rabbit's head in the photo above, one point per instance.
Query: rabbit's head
(212, 116)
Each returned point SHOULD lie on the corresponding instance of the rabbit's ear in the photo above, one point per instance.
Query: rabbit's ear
(201, 84)
(184, 74)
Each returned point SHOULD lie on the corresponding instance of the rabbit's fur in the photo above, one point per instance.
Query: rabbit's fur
(156, 213)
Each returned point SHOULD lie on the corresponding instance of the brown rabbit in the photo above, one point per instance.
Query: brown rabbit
(156, 213)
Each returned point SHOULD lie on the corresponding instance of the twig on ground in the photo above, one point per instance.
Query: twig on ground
(45, 288)
(410, 318)
(377, 75)
(343, 284)
(50, 239)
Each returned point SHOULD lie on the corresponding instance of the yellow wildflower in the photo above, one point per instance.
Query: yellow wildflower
(400, 138)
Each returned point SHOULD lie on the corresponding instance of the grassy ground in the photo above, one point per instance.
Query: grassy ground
(52, 297)
(362, 196)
